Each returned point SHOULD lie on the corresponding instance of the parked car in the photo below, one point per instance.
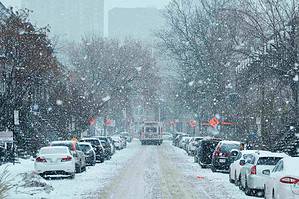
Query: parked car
(205, 150)
(109, 148)
(118, 142)
(183, 141)
(90, 154)
(97, 146)
(192, 145)
(283, 180)
(186, 143)
(220, 157)
(252, 178)
(127, 136)
(55, 160)
(76, 152)
(177, 138)
(112, 144)
(235, 167)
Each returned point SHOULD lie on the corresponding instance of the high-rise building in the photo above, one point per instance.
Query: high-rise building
(70, 19)
(137, 23)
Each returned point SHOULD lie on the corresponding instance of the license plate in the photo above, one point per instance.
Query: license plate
(222, 160)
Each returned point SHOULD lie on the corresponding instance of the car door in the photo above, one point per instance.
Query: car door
(245, 170)
(80, 155)
(275, 177)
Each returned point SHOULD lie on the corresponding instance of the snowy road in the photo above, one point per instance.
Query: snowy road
(167, 172)
(137, 172)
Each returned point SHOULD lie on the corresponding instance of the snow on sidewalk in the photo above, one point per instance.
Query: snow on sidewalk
(26, 184)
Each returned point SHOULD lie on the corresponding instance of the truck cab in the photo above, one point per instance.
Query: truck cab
(151, 133)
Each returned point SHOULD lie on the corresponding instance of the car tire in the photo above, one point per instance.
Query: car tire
(230, 179)
(195, 159)
(102, 160)
(213, 168)
(78, 169)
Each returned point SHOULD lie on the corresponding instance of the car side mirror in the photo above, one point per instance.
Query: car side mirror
(266, 172)
(242, 162)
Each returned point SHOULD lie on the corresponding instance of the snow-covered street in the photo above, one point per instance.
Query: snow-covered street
(167, 172)
(136, 172)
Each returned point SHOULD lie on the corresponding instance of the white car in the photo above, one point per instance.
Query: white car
(55, 160)
(192, 146)
(118, 142)
(183, 141)
(235, 167)
(252, 178)
(283, 181)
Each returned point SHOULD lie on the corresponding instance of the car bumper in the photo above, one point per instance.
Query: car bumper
(221, 163)
(65, 167)
(256, 182)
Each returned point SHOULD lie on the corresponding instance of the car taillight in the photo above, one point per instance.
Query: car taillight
(66, 159)
(40, 159)
(289, 180)
(253, 170)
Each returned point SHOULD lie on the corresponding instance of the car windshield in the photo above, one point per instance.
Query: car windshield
(85, 147)
(268, 160)
(93, 142)
(53, 150)
(69, 145)
(151, 130)
(228, 147)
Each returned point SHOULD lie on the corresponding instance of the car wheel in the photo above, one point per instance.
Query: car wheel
(102, 160)
(230, 179)
(195, 159)
(78, 169)
(213, 168)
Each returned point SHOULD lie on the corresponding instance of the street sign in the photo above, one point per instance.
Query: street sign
(16, 117)
(214, 122)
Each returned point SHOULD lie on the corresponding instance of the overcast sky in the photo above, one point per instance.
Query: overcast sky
(111, 3)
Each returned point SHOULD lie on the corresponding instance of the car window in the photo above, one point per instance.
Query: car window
(268, 160)
(53, 150)
(228, 147)
(85, 147)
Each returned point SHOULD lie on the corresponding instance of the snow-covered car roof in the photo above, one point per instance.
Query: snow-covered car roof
(94, 138)
(63, 142)
(84, 143)
(229, 142)
(54, 149)
(269, 154)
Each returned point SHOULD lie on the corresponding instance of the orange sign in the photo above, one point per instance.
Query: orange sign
(214, 122)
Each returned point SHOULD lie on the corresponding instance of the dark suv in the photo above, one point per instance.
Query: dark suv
(221, 155)
(110, 149)
(204, 152)
(97, 146)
